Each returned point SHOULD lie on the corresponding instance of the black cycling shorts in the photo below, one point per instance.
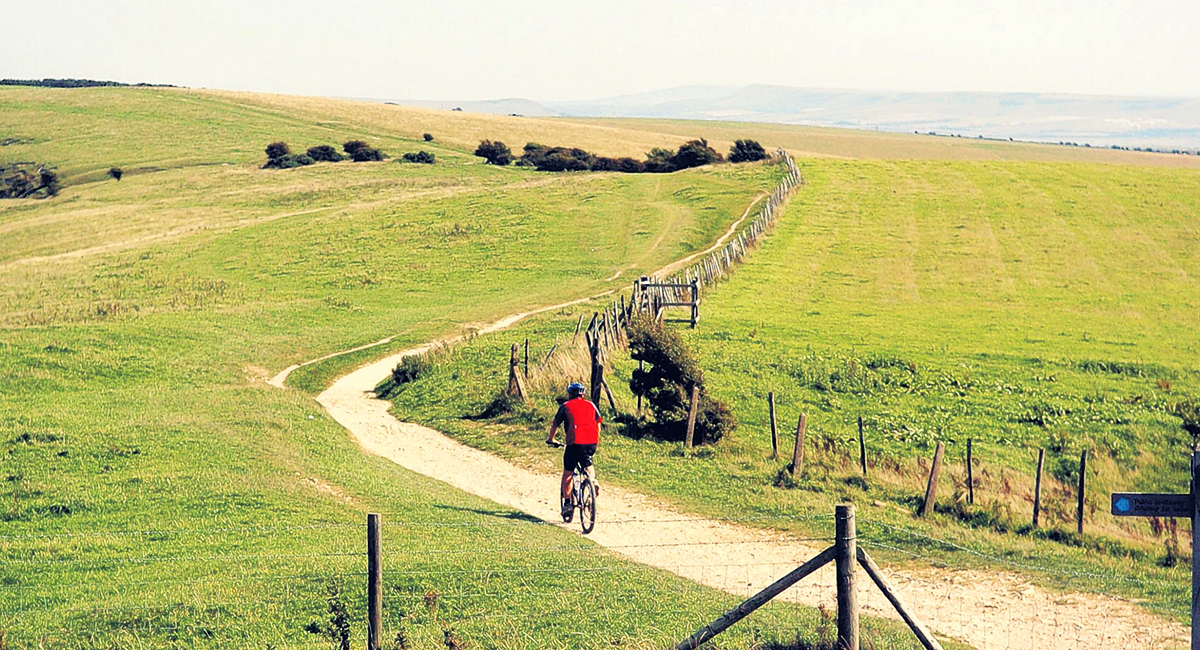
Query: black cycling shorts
(580, 455)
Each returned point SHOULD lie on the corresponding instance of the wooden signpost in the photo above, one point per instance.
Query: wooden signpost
(1137, 504)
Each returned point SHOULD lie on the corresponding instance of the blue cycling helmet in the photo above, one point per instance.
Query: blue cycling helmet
(575, 389)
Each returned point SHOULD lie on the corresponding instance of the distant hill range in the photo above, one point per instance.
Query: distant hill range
(1158, 122)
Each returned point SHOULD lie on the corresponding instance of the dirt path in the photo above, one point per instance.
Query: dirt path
(991, 610)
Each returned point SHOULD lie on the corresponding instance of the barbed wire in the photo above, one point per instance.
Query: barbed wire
(396, 524)
(1000, 560)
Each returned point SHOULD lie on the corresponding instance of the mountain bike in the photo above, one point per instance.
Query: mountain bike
(583, 496)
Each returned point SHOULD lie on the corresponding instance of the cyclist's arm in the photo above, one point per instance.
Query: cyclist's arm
(559, 418)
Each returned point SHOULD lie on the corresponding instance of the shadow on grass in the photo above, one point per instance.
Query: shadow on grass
(512, 515)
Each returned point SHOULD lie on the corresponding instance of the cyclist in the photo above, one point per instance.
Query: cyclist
(581, 421)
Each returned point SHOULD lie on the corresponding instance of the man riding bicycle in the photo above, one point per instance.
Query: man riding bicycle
(581, 421)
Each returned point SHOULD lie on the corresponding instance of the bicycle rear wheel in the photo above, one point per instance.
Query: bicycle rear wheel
(587, 506)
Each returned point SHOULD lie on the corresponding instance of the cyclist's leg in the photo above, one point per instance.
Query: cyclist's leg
(566, 485)
(568, 467)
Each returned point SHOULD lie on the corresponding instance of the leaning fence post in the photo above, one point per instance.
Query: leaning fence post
(691, 428)
(774, 431)
(931, 488)
(515, 385)
(798, 451)
(1037, 488)
(847, 597)
(970, 475)
(527, 357)
(1082, 489)
(374, 584)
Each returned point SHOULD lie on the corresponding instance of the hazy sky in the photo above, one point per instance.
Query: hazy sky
(566, 49)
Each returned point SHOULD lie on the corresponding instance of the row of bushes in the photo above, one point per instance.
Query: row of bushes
(280, 156)
(565, 159)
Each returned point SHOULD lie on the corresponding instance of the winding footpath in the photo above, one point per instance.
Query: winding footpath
(990, 610)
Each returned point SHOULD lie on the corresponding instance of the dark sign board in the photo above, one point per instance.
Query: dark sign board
(1135, 504)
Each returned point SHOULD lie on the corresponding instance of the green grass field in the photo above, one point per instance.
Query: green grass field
(158, 493)
(1023, 305)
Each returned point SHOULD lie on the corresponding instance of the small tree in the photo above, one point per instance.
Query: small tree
(325, 153)
(496, 153)
(428, 137)
(277, 150)
(116, 172)
(666, 384)
(695, 154)
(352, 146)
(746, 151)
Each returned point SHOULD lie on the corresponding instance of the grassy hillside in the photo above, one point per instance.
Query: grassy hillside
(157, 493)
(1022, 305)
(877, 145)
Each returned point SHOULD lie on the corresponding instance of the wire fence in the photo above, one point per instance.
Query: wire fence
(498, 581)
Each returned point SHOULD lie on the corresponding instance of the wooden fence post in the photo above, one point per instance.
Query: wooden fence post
(774, 431)
(970, 475)
(578, 324)
(931, 488)
(1082, 490)
(862, 448)
(527, 357)
(723, 622)
(695, 303)
(612, 404)
(641, 366)
(597, 370)
(691, 428)
(846, 558)
(876, 576)
(798, 451)
(374, 584)
(515, 385)
(1037, 488)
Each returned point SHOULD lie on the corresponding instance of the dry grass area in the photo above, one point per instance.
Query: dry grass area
(461, 129)
(851, 143)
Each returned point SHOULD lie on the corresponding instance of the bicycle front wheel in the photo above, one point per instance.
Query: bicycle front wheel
(587, 506)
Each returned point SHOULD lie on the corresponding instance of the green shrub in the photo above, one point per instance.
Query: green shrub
(277, 150)
(428, 137)
(325, 153)
(290, 161)
(49, 180)
(665, 383)
(1189, 412)
(496, 153)
(660, 161)
(422, 157)
(696, 153)
(746, 151)
(116, 173)
(606, 164)
(630, 166)
(366, 154)
(354, 145)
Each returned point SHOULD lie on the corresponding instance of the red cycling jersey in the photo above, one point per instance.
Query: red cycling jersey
(582, 420)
